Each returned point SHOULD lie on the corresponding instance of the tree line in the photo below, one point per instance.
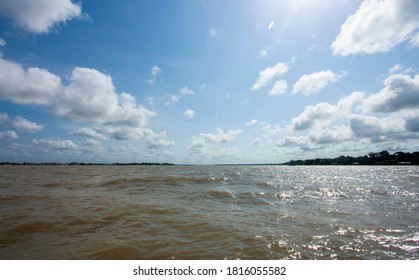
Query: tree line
(381, 158)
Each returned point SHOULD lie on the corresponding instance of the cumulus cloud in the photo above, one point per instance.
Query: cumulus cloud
(158, 141)
(266, 75)
(251, 123)
(330, 136)
(221, 136)
(293, 141)
(2, 42)
(399, 92)
(368, 126)
(399, 69)
(414, 41)
(395, 68)
(186, 91)
(359, 120)
(315, 115)
(40, 16)
(352, 102)
(27, 86)
(88, 132)
(174, 98)
(314, 82)
(268, 132)
(378, 26)
(89, 97)
(10, 134)
(279, 88)
(201, 145)
(155, 72)
(24, 124)
(189, 113)
(56, 144)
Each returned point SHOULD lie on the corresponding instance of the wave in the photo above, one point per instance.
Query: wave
(221, 194)
(168, 180)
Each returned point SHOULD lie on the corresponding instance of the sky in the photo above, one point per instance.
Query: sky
(207, 81)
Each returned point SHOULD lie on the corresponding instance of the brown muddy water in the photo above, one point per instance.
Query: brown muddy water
(209, 212)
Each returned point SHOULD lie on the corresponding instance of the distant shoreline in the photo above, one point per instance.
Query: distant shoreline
(81, 163)
(381, 158)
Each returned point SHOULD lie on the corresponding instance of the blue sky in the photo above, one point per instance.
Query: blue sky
(207, 81)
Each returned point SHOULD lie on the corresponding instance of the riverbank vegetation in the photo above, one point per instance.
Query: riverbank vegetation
(381, 158)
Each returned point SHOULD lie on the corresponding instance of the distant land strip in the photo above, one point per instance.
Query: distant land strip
(81, 163)
(381, 158)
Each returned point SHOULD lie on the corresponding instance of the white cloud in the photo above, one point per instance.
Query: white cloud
(268, 132)
(93, 142)
(279, 88)
(350, 103)
(346, 127)
(174, 98)
(251, 123)
(90, 96)
(123, 132)
(31, 86)
(318, 114)
(368, 126)
(263, 52)
(2, 42)
(189, 113)
(56, 144)
(199, 146)
(221, 136)
(24, 124)
(378, 26)
(158, 141)
(314, 82)
(212, 31)
(10, 134)
(203, 86)
(330, 136)
(395, 68)
(40, 16)
(399, 92)
(271, 130)
(186, 91)
(293, 141)
(399, 69)
(155, 72)
(88, 132)
(414, 41)
(266, 75)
